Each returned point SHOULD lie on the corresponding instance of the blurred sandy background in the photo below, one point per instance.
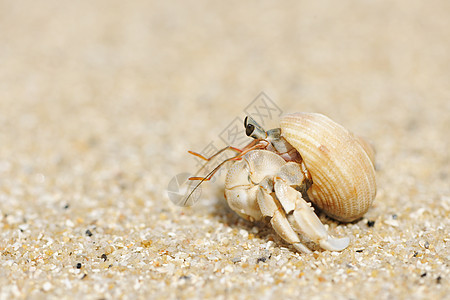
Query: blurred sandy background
(100, 100)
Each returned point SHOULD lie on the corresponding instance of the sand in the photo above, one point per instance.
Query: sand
(100, 101)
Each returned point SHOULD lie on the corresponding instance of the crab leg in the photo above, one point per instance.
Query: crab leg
(270, 207)
(304, 220)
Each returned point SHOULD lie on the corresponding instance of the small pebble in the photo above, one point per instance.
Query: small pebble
(261, 259)
(236, 259)
(47, 286)
(424, 244)
(78, 265)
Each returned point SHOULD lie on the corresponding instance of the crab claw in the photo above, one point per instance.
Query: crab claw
(334, 244)
(304, 220)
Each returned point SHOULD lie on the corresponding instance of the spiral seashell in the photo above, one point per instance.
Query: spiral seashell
(341, 164)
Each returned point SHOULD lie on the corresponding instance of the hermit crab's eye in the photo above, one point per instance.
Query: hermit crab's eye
(249, 128)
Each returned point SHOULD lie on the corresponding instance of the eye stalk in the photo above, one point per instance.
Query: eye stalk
(273, 136)
(253, 129)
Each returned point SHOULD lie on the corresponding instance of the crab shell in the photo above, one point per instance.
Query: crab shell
(341, 164)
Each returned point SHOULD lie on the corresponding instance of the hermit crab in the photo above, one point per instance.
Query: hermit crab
(309, 159)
